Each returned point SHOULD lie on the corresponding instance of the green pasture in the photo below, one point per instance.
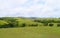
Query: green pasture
(30, 32)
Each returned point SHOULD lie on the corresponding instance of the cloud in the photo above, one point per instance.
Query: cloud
(30, 8)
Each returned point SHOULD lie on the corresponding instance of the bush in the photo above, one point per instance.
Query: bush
(51, 24)
(34, 25)
(3, 24)
(58, 25)
(23, 25)
(45, 24)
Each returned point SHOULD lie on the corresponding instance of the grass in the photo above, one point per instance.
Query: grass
(30, 32)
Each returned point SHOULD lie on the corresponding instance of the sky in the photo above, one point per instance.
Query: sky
(29, 8)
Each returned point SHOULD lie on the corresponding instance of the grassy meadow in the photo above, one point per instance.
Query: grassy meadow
(29, 28)
(30, 32)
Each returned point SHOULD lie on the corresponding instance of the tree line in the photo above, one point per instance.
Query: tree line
(10, 22)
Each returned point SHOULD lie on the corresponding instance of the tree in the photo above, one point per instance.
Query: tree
(3, 24)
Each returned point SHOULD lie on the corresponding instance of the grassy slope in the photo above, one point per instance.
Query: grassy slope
(30, 32)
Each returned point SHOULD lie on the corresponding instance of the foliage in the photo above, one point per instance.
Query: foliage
(3, 24)
(24, 22)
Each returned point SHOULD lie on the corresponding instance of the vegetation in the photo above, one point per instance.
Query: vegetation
(30, 32)
(9, 22)
(11, 27)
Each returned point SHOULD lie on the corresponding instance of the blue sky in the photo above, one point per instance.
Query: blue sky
(30, 8)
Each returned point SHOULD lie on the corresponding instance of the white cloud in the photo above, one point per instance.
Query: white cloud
(29, 8)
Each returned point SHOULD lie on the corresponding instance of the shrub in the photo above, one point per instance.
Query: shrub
(34, 25)
(58, 24)
(51, 24)
(23, 25)
(3, 24)
(45, 24)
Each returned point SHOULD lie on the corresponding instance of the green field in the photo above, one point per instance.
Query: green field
(29, 27)
(30, 32)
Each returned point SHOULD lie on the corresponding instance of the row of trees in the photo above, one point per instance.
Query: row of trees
(47, 21)
(9, 22)
(15, 22)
